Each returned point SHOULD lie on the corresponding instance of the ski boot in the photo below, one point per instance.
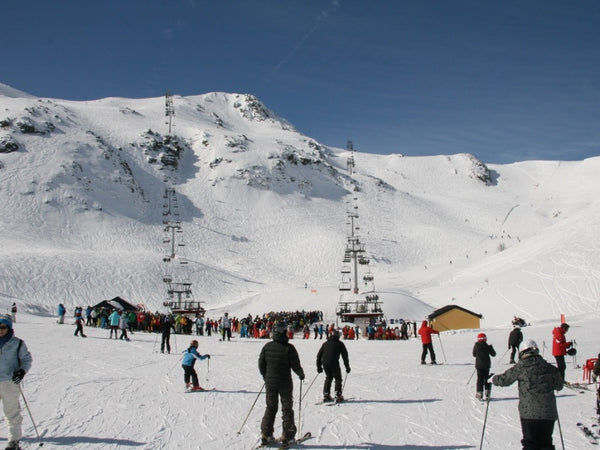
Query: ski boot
(13, 445)
(479, 395)
(327, 398)
(266, 440)
(339, 398)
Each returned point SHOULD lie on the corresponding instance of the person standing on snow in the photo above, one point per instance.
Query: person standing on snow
(514, 342)
(559, 347)
(426, 331)
(123, 326)
(15, 362)
(595, 373)
(482, 352)
(538, 380)
(79, 321)
(189, 358)
(226, 327)
(276, 361)
(165, 331)
(61, 313)
(113, 321)
(328, 358)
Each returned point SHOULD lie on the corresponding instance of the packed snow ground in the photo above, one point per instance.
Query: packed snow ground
(97, 393)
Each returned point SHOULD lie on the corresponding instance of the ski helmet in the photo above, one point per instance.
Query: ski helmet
(482, 337)
(565, 326)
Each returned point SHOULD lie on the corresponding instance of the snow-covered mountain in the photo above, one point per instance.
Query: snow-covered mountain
(263, 211)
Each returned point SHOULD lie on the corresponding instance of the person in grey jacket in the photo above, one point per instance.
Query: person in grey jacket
(538, 380)
(276, 361)
(15, 362)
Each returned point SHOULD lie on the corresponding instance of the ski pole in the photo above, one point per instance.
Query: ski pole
(474, 370)
(30, 416)
(311, 383)
(503, 355)
(344, 384)
(484, 421)
(207, 368)
(177, 362)
(560, 430)
(442, 347)
(300, 410)
(251, 408)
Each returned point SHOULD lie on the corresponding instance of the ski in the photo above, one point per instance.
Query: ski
(349, 399)
(191, 391)
(276, 443)
(577, 386)
(306, 436)
(591, 437)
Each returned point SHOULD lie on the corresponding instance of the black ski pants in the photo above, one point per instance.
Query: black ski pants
(513, 352)
(482, 376)
(332, 373)
(562, 366)
(428, 347)
(287, 411)
(537, 434)
(165, 341)
(190, 372)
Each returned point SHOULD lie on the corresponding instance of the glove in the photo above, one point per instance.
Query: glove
(208, 356)
(301, 377)
(570, 345)
(319, 369)
(490, 376)
(347, 369)
(18, 376)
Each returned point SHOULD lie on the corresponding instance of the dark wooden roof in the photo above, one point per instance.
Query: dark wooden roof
(445, 309)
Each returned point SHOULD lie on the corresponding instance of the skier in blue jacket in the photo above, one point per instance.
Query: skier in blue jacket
(189, 358)
(15, 362)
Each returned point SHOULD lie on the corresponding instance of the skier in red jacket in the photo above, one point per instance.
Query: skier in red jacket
(426, 331)
(560, 346)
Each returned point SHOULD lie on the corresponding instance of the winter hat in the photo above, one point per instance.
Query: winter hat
(6, 320)
(481, 337)
(565, 326)
(194, 343)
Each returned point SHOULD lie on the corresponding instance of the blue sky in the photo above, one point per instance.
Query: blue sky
(504, 80)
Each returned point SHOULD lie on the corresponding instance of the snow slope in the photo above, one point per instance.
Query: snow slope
(96, 393)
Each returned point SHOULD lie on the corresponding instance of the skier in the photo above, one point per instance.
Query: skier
(165, 331)
(226, 324)
(123, 326)
(15, 362)
(560, 346)
(79, 321)
(328, 358)
(189, 358)
(538, 380)
(276, 361)
(514, 342)
(482, 352)
(595, 373)
(113, 319)
(61, 313)
(426, 331)
(13, 312)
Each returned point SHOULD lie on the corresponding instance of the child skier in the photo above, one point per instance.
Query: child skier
(189, 358)
(482, 352)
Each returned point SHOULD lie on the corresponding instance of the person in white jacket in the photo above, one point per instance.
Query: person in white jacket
(15, 362)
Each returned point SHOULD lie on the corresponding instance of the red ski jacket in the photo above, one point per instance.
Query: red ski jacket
(426, 332)
(559, 342)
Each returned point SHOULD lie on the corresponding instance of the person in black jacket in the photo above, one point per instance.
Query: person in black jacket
(276, 361)
(165, 331)
(514, 341)
(482, 352)
(538, 380)
(328, 359)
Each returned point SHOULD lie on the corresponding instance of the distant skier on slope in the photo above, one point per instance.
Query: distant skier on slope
(425, 332)
(328, 359)
(514, 342)
(595, 374)
(189, 358)
(538, 380)
(482, 352)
